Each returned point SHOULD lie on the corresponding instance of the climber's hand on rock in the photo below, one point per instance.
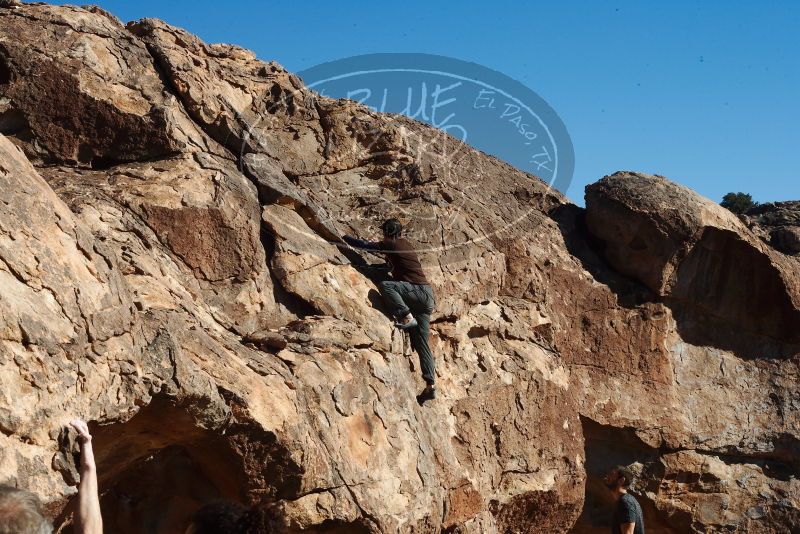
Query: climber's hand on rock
(82, 429)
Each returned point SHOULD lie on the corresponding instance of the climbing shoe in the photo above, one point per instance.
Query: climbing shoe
(429, 393)
(408, 325)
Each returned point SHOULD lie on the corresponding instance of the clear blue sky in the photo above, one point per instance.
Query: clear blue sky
(705, 93)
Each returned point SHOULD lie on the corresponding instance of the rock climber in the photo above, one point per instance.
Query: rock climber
(408, 294)
(627, 518)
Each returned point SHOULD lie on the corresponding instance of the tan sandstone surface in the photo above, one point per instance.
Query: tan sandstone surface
(168, 271)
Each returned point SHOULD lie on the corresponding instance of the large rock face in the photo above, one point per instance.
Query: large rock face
(722, 283)
(777, 223)
(167, 271)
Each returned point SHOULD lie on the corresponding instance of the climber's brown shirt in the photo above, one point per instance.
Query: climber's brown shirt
(403, 259)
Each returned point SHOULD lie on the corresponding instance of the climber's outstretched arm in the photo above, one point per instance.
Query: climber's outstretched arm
(89, 520)
(361, 243)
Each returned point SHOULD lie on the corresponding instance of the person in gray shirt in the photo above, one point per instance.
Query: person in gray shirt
(628, 517)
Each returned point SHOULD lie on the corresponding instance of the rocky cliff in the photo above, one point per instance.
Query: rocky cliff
(168, 271)
(777, 223)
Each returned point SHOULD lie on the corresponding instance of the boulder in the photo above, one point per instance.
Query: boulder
(701, 259)
(777, 223)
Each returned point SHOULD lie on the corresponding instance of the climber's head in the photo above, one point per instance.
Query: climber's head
(392, 228)
(21, 512)
(619, 479)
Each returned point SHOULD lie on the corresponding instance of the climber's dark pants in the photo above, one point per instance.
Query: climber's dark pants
(405, 297)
